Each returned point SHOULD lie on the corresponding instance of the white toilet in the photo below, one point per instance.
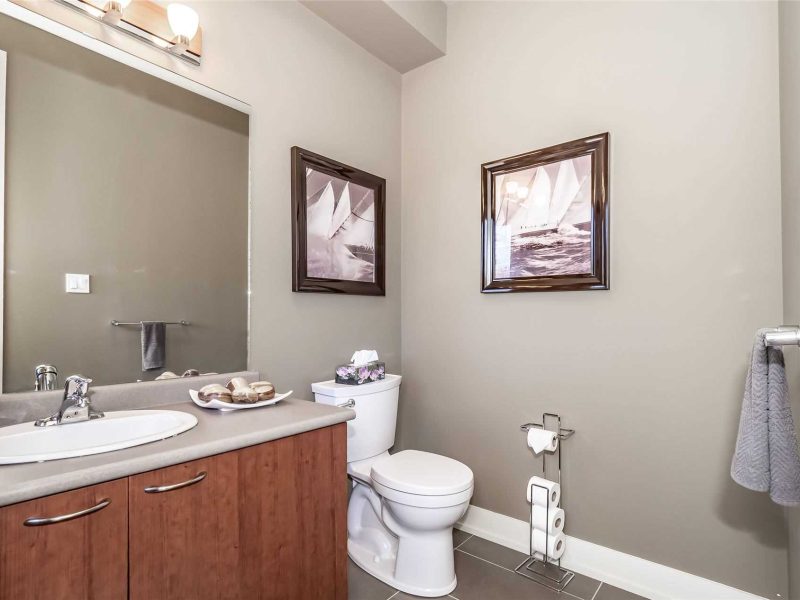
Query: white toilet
(403, 506)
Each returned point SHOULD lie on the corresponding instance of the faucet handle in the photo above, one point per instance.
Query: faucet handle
(79, 383)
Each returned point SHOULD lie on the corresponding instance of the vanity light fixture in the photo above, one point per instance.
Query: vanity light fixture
(175, 30)
(184, 22)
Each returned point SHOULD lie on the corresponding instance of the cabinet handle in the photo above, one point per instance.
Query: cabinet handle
(39, 521)
(158, 489)
(349, 404)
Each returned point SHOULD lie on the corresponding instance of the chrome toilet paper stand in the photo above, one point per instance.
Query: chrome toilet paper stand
(543, 571)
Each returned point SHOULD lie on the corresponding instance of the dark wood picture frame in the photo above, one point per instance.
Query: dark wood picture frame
(301, 282)
(596, 147)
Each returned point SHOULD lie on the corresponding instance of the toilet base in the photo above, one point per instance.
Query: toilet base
(375, 540)
(383, 569)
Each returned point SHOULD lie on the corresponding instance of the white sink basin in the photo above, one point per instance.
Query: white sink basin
(26, 443)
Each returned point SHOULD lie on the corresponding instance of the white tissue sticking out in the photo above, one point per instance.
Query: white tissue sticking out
(542, 440)
(362, 357)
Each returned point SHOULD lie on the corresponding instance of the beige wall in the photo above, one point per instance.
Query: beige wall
(790, 188)
(136, 182)
(650, 374)
(310, 86)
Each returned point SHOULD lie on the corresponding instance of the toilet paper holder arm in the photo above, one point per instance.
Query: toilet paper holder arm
(563, 433)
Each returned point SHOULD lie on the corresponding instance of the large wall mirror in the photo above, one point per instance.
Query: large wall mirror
(139, 184)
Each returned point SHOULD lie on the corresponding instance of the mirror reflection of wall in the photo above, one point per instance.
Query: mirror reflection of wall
(139, 184)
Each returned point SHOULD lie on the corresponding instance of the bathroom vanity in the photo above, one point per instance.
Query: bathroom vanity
(250, 504)
(145, 184)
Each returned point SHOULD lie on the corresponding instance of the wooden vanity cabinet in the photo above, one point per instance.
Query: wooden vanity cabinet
(184, 534)
(264, 522)
(85, 557)
(267, 521)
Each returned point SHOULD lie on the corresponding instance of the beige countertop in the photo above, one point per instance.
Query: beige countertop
(215, 432)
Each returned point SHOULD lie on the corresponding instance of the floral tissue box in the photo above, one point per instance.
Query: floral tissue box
(352, 375)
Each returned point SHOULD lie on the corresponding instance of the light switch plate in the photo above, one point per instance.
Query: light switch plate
(77, 283)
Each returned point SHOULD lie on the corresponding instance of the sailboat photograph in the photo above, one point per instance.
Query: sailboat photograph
(339, 227)
(544, 219)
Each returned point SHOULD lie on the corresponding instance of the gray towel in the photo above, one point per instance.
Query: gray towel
(766, 458)
(154, 344)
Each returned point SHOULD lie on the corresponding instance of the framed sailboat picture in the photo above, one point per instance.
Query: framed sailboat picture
(338, 232)
(545, 219)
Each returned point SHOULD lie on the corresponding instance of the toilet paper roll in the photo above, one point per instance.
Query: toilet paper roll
(553, 544)
(552, 523)
(540, 496)
(542, 440)
(539, 556)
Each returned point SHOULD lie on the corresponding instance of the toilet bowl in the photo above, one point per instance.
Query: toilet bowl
(402, 506)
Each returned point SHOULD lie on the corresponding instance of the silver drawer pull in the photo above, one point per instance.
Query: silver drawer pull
(157, 489)
(349, 404)
(39, 521)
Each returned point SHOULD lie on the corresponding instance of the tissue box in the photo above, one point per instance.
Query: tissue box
(352, 375)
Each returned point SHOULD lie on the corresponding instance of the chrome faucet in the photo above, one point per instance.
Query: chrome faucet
(46, 378)
(75, 406)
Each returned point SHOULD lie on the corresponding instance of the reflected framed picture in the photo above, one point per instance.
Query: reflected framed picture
(338, 227)
(545, 219)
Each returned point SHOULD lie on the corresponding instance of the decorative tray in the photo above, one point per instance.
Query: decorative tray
(228, 406)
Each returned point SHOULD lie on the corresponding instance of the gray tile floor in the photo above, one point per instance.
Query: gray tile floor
(486, 572)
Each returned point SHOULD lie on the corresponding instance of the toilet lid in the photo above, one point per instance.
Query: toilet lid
(422, 473)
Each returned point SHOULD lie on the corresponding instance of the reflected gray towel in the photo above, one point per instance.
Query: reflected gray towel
(154, 344)
(766, 458)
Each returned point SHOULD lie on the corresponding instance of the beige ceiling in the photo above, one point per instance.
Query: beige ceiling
(402, 33)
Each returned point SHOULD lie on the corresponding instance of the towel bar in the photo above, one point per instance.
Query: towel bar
(783, 336)
(138, 323)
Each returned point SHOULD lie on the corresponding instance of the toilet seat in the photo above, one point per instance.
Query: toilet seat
(422, 479)
(422, 473)
(419, 501)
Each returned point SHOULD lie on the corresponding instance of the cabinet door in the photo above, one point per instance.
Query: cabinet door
(184, 531)
(293, 508)
(266, 522)
(66, 546)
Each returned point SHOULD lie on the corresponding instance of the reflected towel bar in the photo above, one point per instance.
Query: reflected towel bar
(139, 323)
(783, 336)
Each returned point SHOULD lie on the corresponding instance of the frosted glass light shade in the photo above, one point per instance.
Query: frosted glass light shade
(183, 20)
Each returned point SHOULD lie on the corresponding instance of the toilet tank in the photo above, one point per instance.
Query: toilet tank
(372, 431)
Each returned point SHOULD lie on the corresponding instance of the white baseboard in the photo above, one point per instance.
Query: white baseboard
(631, 573)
